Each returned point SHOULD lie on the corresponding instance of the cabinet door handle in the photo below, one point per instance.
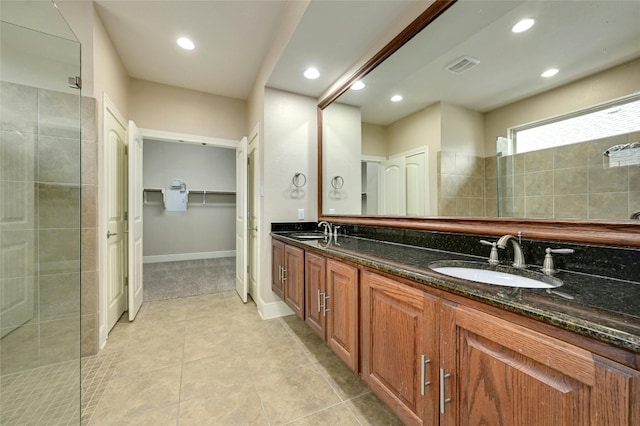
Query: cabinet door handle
(324, 305)
(423, 373)
(284, 274)
(319, 303)
(443, 400)
(280, 273)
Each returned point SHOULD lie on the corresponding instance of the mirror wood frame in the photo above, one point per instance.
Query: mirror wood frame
(600, 232)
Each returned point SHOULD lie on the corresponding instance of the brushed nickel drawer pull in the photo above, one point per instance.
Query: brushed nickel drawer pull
(423, 372)
(443, 400)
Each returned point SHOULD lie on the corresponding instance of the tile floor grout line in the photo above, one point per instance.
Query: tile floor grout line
(231, 304)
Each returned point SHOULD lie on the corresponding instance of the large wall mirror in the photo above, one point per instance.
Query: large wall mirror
(453, 125)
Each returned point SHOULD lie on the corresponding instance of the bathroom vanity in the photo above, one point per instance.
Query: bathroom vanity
(444, 350)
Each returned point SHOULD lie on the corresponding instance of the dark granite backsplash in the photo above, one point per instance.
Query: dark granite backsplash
(611, 262)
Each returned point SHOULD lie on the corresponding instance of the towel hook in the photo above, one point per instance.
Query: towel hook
(337, 182)
(299, 180)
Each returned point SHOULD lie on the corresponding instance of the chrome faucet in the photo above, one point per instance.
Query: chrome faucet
(518, 257)
(327, 228)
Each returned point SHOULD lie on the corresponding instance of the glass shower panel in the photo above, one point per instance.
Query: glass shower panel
(40, 228)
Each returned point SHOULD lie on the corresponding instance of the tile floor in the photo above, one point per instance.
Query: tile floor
(211, 360)
(47, 395)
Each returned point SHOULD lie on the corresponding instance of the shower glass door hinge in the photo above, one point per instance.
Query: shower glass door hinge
(75, 82)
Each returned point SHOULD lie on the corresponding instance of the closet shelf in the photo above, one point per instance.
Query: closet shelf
(201, 201)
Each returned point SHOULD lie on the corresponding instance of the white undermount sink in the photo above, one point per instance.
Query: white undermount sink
(495, 275)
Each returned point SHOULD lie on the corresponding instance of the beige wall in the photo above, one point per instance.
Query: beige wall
(374, 140)
(174, 109)
(110, 76)
(605, 86)
(342, 153)
(79, 15)
(462, 130)
(290, 146)
(260, 114)
(415, 131)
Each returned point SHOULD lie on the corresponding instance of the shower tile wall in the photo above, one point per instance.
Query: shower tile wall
(570, 182)
(40, 220)
(89, 222)
(461, 184)
(171, 280)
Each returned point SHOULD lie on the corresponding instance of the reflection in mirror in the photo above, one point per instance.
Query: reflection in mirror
(582, 166)
(466, 80)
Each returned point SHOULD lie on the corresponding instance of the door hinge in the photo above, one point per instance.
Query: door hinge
(126, 215)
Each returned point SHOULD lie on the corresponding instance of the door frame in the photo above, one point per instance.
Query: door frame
(102, 197)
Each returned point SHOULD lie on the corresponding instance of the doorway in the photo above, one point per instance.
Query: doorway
(189, 201)
(189, 258)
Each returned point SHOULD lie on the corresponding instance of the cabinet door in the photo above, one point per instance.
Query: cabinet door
(294, 279)
(508, 374)
(400, 348)
(314, 276)
(277, 264)
(342, 311)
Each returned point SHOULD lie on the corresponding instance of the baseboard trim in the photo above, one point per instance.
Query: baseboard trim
(273, 310)
(188, 256)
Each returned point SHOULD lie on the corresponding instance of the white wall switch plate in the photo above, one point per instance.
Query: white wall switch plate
(300, 214)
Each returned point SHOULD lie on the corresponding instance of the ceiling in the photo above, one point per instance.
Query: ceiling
(580, 38)
(232, 39)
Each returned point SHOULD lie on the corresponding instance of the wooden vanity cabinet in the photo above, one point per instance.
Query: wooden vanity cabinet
(287, 275)
(497, 372)
(315, 273)
(400, 347)
(341, 305)
(331, 305)
(277, 263)
(435, 362)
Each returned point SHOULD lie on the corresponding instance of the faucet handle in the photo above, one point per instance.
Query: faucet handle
(493, 257)
(547, 266)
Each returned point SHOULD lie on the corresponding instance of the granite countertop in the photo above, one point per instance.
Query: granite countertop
(603, 308)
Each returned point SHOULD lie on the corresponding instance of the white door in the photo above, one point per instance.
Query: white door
(241, 219)
(253, 204)
(114, 162)
(417, 188)
(134, 221)
(393, 200)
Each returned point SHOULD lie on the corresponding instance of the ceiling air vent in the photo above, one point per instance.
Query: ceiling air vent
(462, 64)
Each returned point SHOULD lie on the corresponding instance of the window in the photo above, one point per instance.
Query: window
(610, 119)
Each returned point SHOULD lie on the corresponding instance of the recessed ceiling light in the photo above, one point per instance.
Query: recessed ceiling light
(358, 85)
(185, 43)
(396, 98)
(549, 73)
(523, 25)
(312, 73)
